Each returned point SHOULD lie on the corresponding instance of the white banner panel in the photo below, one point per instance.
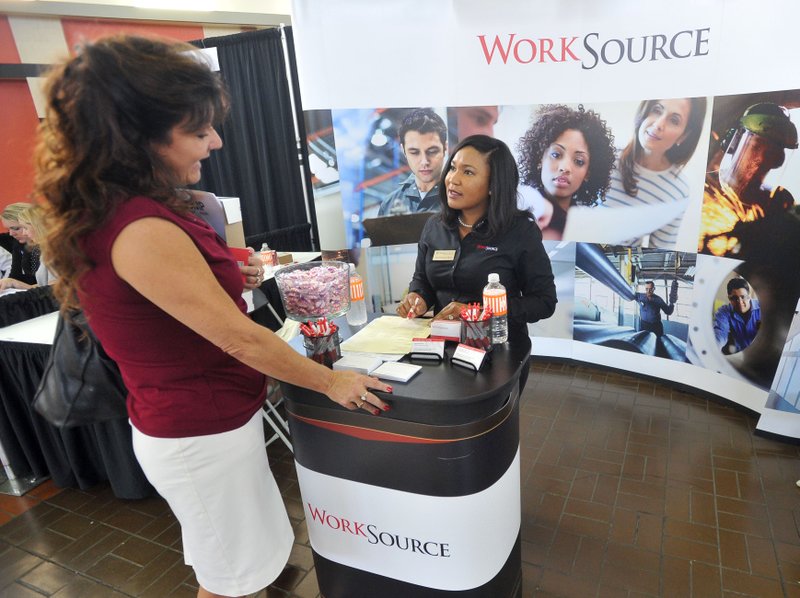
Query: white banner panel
(705, 205)
(447, 543)
(362, 53)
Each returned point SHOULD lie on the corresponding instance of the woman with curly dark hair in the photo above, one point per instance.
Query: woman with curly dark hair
(128, 122)
(665, 135)
(566, 158)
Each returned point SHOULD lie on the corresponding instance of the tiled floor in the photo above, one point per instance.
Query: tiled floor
(629, 489)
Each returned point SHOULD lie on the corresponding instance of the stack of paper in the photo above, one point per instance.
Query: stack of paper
(362, 364)
(387, 334)
(393, 370)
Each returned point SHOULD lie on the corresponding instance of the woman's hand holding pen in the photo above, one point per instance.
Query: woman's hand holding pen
(451, 311)
(412, 306)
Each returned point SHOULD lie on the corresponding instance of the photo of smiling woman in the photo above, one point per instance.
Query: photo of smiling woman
(648, 172)
(565, 160)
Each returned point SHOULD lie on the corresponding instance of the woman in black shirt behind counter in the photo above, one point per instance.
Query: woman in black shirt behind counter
(480, 231)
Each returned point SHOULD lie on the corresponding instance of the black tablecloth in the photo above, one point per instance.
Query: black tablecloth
(75, 457)
(33, 303)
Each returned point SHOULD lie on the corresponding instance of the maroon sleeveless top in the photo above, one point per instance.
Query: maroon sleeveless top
(179, 383)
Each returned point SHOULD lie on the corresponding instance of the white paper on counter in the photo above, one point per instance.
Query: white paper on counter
(388, 334)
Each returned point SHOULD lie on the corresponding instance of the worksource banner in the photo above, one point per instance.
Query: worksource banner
(677, 253)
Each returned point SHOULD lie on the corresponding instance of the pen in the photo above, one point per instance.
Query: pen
(413, 311)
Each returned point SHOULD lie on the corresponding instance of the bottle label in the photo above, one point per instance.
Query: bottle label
(356, 289)
(269, 257)
(496, 301)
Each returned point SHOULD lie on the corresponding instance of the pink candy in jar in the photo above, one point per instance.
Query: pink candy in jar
(314, 289)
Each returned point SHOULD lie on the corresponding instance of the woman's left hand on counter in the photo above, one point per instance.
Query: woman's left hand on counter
(451, 311)
(253, 272)
(352, 391)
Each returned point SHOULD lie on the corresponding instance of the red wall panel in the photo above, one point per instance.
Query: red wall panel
(77, 31)
(18, 122)
(8, 48)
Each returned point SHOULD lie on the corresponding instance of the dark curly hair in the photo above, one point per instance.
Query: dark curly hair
(550, 122)
(106, 107)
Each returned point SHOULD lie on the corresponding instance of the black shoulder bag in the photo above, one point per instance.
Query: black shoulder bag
(81, 384)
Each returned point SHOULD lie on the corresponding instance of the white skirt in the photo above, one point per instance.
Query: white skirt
(236, 533)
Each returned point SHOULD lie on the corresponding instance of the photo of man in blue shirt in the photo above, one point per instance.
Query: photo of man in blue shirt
(736, 324)
(650, 308)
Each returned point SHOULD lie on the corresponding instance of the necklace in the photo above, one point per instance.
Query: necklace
(462, 223)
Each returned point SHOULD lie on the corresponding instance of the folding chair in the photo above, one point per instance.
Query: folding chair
(276, 421)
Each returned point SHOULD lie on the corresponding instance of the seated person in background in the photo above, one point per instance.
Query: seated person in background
(736, 324)
(423, 139)
(24, 253)
(480, 231)
(31, 220)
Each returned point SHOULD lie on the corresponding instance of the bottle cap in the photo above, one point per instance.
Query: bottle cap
(494, 277)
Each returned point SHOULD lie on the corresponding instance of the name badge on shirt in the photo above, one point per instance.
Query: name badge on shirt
(444, 255)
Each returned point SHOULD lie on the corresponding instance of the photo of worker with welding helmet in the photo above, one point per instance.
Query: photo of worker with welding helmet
(745, 195)
(751, 216)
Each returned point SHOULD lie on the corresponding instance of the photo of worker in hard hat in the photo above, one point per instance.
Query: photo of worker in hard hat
(751, 217)
(634, 299)
(749, 169)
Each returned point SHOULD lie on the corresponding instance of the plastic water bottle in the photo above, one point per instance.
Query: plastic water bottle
(358, 307)
(494, 296)
(269, 257)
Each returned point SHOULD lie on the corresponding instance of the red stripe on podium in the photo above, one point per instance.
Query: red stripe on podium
(369, 434)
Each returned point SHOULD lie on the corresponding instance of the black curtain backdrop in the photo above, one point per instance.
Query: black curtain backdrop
(259, 160)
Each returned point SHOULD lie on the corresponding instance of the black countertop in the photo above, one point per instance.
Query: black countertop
(442, 393)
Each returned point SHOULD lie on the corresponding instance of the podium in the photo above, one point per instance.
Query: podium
(423, 500)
